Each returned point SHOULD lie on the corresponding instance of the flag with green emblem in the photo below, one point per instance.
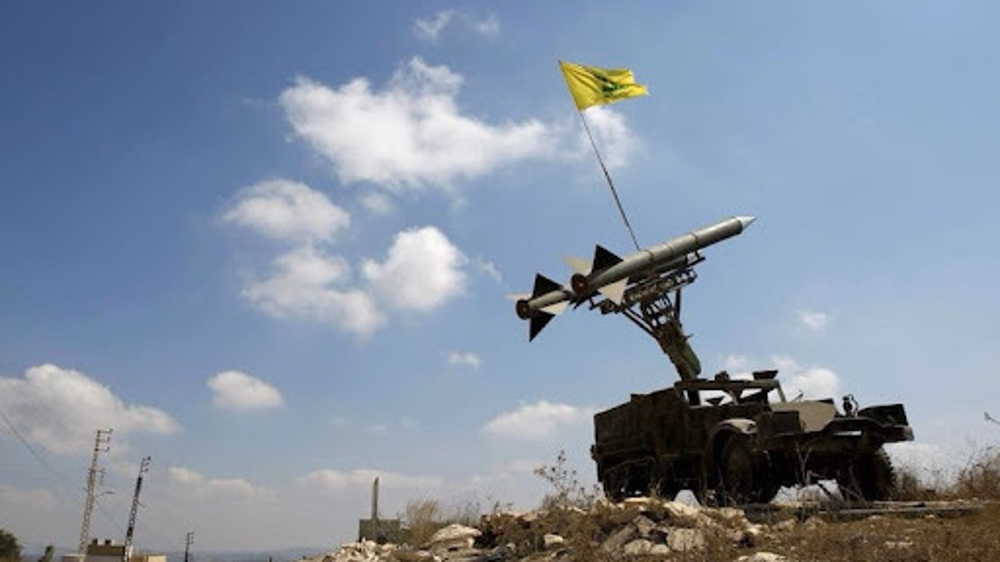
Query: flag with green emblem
(591, 85)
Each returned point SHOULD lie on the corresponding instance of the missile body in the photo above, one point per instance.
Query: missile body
(650, 258)
(609, 274)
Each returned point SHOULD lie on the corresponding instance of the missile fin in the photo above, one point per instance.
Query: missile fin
(538, 323)
(604, 258)
(615, 292)
(556, 309)
(544, 285)
(578, 265)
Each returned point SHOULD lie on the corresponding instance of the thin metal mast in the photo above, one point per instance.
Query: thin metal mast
(188, 541)
(143, 469)
(101, 445)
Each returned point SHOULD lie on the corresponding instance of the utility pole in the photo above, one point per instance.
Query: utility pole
(143, 469)
(101, 445)
(188, 541)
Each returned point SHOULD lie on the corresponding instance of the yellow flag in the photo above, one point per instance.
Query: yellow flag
(591, 85)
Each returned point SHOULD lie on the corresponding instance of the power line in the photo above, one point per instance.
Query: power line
(31, 449)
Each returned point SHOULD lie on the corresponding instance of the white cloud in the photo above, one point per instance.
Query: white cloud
(429, 29)
(618, 144)
(331, 480)
(377, 203)
(61, 409)
(423, 270)
(185, 475)
(303, 284)
(234, 390)
(536, 421)
(735, 364)
(410, 135)
(814, 321)
(287, 210)
(489, 268)
(489, 27)
(232, 488)
(813, 382)
(34, 498)
(466, 358)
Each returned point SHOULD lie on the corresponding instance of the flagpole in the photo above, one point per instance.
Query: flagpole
(607, 176)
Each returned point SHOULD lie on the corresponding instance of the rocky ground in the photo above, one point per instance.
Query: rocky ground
(648, 529)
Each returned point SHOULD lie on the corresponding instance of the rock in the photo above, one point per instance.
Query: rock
(463, 555)
(814, 523)
(731, 514)
(785, 526)
(686, 515)
(763, 557)
(638, 547)
(685, 540)
(659, 550)
(453, 537)
(641, 503)
(643, 525)
(364, 551)
(747, 536)
(409, 555)
(552, 540)
(618, 539)
(661, 531)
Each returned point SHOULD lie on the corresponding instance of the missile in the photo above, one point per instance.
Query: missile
(610, 274)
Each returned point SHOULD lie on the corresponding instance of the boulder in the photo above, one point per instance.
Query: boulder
(686, 515)
(552, 540)
(763, 557)
(618, 539)
(644, 526)
(685, 540)
(453, 537)
(638, 547)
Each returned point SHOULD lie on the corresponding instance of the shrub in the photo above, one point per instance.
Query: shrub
(980, 477)
(10, 549)
(423, 518)
(568, 491)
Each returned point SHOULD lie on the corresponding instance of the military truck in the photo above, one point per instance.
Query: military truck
(736, 441)
(727, 439)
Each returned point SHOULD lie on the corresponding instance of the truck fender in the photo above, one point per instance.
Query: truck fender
(723, 431)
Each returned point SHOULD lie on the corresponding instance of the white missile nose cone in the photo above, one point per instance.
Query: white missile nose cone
(746, 221)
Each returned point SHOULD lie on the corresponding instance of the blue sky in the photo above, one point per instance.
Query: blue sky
(269, 244)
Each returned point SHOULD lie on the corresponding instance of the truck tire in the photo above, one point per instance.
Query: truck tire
(736, 471)
(743, 475)
(875, 478)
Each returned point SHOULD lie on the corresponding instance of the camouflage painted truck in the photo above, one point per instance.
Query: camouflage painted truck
(738, 441)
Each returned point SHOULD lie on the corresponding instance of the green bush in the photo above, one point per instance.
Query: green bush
(10, 550)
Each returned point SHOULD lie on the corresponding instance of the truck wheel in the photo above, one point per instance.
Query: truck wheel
(744, 476)
(875, 477)
(736, 471)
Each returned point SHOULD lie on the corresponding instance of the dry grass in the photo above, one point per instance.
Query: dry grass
(980, 477)
(893, 539)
